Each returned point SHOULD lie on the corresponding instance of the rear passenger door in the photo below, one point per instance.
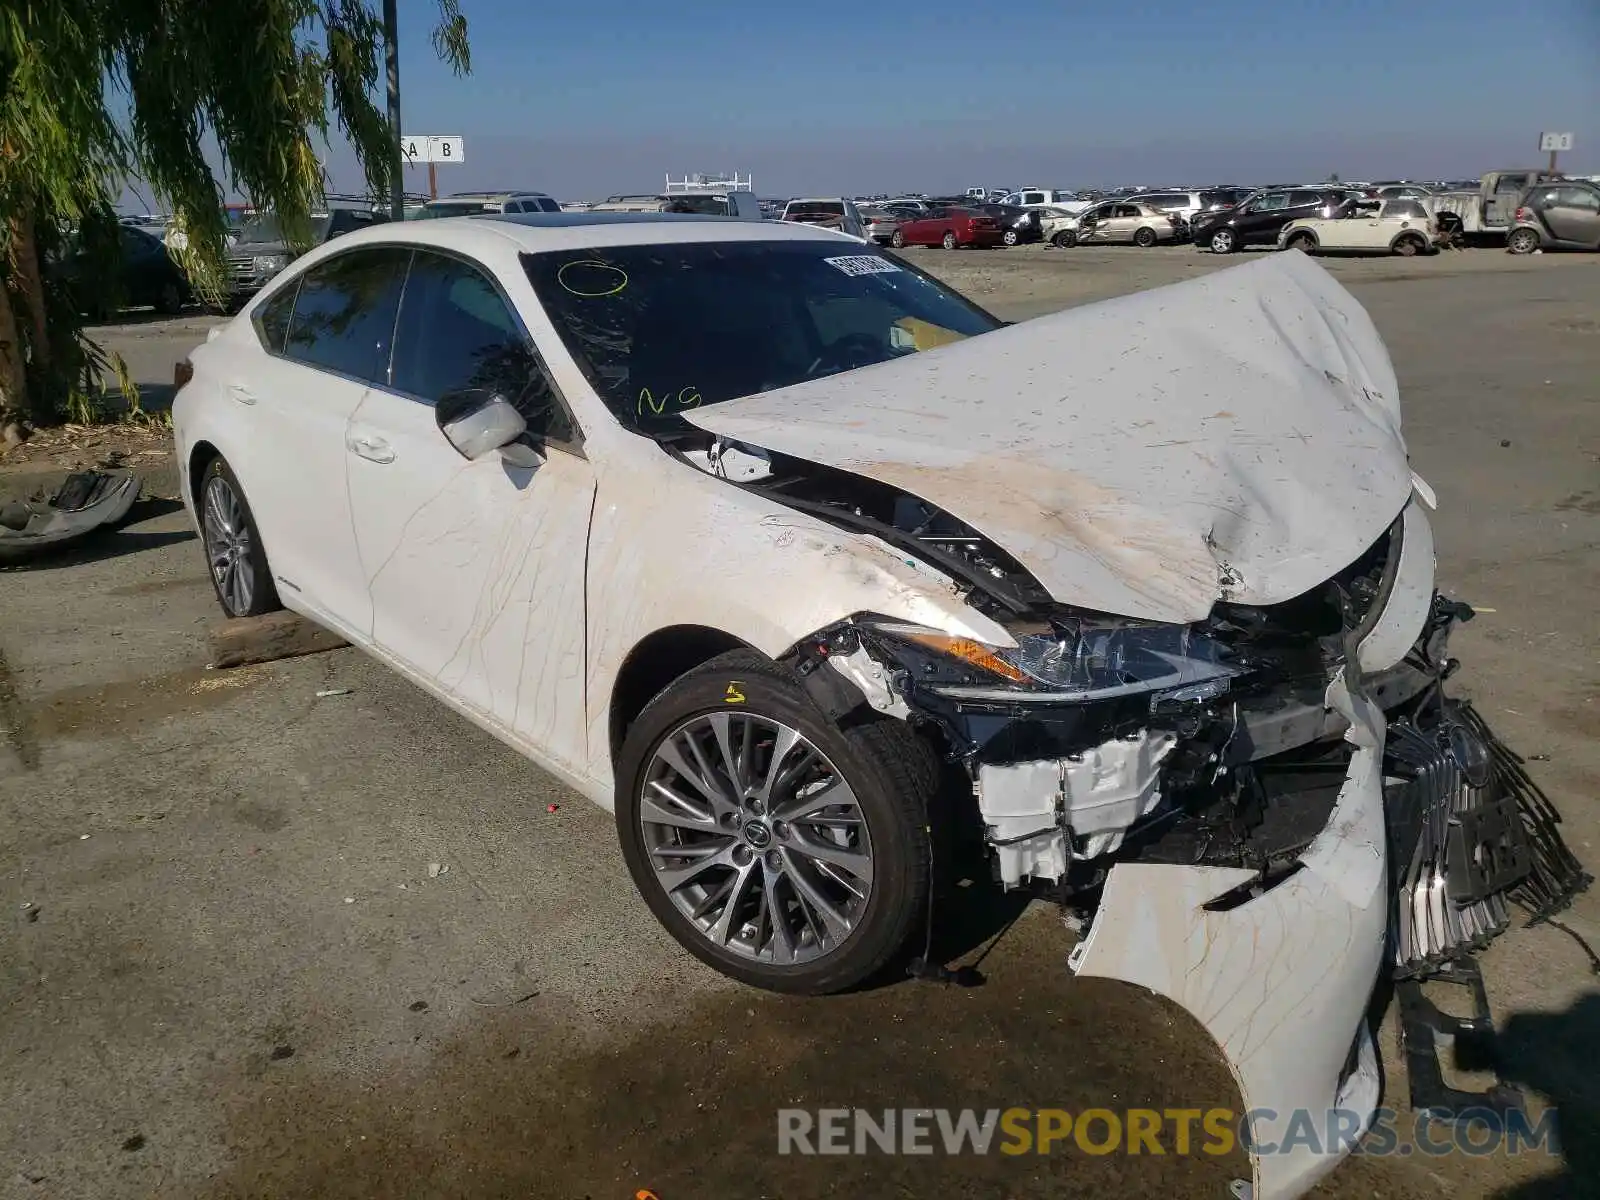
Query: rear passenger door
(475, 568)
(327, 336)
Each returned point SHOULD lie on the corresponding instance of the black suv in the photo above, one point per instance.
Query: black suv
(1257, 219)
(259, 252)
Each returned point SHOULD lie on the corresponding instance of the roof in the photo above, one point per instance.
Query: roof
(490, 235)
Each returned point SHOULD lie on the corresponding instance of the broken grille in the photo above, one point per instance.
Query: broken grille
(1470, 834)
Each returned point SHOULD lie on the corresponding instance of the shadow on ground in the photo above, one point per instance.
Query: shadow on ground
(689, 1109)
(1557, 1057)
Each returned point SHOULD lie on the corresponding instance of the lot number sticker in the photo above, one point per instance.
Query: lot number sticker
(862, 264)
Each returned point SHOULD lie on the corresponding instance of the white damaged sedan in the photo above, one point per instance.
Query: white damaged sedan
(798, 560)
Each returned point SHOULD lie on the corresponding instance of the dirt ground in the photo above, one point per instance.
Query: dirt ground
(260, 943)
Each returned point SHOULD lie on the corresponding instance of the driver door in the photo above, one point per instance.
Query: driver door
(475, 568)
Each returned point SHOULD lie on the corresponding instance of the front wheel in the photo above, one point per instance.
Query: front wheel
(238, 562)
(1011, 238)
(1408, 247)
(778, 848)
(1223, 241)
(1066, 239)
(1302, 242)
(898, 241)
(1523, 240)
(950, 242)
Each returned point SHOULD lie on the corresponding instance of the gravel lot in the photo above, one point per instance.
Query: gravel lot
(239, 976)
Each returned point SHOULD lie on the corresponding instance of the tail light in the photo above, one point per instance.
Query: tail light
(1525, 214)
(1174, 219)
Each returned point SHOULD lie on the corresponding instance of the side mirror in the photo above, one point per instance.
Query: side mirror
(478, 422)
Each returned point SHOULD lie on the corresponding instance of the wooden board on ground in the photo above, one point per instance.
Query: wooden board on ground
(242, 640)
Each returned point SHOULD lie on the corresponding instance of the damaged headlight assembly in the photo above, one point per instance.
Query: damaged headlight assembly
(1076, 658)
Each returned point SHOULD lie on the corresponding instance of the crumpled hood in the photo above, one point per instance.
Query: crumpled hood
(1234, 437)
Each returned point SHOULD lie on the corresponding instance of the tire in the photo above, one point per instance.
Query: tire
(1011, 237)
(898, 241)
(1066, 239)
(950, 242)
(1408, 246)
(234, 554)
(169, 300)
(1224, 241)
(1303, 242)
(889, 775)
(1144, 237)
(1522, 240)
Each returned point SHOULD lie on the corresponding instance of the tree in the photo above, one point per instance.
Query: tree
(94, 93)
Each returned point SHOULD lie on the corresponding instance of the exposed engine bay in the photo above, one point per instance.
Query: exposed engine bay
(1107, 740)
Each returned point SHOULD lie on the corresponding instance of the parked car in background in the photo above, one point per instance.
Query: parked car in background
(830, 212)
(951, 228)
(878, 224)
(1561, 216)
(259, 250)
(146, 275)
(1490, 210)
(465, 204)
(1018, 225)
(1260, 218)
(1398, 191)
(1116, 221)
(1402, 227)
(1047, 198)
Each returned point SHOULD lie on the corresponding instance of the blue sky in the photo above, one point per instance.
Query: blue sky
(585, 99)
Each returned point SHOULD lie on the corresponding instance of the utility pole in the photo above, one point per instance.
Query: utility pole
(391, 59)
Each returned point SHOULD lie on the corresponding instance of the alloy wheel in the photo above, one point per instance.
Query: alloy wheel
(1222, 242)
(228, 545)
(756, 837)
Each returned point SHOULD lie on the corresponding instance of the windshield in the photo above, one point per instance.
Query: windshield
(663, 328)
(263, 227)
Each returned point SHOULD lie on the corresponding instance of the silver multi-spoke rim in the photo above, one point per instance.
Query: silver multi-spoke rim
(228, 545)
(756, 838)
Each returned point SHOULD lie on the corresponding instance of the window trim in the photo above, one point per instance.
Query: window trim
(574, 446)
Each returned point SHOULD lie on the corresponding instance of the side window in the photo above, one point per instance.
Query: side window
(343, 317)
(456, 333)
(272, 318)
(512, 206)
(1272, 202)
(548, 204)
(1581, 198)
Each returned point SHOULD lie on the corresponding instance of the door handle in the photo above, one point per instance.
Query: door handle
(241, 394)
(373, 449)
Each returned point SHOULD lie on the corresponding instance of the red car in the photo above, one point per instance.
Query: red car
(950, 227)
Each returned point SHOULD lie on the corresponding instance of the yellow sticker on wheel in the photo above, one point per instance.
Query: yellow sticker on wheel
(733, 695)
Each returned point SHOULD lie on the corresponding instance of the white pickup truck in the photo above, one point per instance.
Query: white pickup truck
(1491, 210)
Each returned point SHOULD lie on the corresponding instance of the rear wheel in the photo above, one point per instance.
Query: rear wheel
(1066, 239)
(950, 242)
(1302, 242)
(1224, 241)
(1523, 240)
(1408, 246)
(778, 848)
(238, 562)
(1011, 238)
(1144, 237)
(169, 300)
(898, 241)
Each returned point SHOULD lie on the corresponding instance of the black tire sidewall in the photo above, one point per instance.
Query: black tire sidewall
(266, 594)
(899, 838)
(1139, 238)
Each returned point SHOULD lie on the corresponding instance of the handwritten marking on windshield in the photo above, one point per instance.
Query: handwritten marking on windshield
(686, 398)
(595, 287)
